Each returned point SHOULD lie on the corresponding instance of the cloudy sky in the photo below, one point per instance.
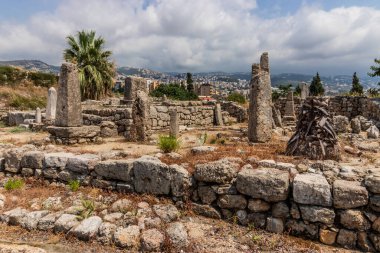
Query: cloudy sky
(329, 36)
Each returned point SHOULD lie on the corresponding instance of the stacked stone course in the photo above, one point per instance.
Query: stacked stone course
(275, 196)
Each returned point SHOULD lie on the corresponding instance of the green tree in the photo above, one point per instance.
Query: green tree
(357, 88)
(375, 69)
(236, 97)
(316, 86)
(173, 91)
(297, 91)
(96, 71)
(189, 81)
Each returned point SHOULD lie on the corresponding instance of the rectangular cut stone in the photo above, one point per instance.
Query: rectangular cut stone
(69, 109)
(269, 184)
(151, 176)
(115, 169)
(74, 132)
(349, 194)
(260, 102)
(312, 189)
(84, 163)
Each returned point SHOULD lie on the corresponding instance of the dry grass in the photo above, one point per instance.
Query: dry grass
(27, 91)
(272, 150)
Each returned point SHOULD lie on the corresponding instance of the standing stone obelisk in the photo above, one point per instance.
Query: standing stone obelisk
(260, 105)
(304, 90)
(174, 123)
(69, 108)
(51, 104)
(218, 115)
(38, 116)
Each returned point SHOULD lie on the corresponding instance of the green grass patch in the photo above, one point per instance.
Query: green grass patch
(18, 129)
(168, 143)
(74, 185)
(13, 184)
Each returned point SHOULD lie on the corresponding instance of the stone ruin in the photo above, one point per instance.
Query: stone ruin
(260, 105)
(68, 127)
(315, 136)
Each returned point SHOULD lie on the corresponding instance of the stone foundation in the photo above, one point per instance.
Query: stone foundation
(74, 135)
(325, 201)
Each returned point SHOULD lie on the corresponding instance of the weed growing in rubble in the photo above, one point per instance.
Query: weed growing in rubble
(13, 184)
(168, 143)
(89, 208)
(74, 185)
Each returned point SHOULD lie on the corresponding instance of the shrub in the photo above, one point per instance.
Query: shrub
(13, 184)
(168, 143)
(74, 185)
(236, 97)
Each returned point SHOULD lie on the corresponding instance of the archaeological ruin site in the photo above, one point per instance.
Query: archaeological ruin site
(299, 174)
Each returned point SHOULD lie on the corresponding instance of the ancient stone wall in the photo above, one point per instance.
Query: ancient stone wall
(235, 110)
(355, 106)
(323, 201)
(190, 113)
(280, 105)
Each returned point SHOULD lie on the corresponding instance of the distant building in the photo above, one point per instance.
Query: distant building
(204, 90)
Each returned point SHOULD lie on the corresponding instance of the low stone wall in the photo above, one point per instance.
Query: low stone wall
(121, 116)
(281, 102)
(355, 106)
(323, 201)
(236, 111)
(191, 113)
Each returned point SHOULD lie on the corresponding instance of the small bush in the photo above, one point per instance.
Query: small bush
(236, 97)
(13, 184)
(168, 143)
(74, 185)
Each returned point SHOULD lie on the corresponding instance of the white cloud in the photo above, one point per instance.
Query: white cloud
(198, 35)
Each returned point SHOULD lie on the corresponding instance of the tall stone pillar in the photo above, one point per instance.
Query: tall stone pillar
(38, 116)
(132, 85)
(260, 105)
(218, 115)
(141, 127)
(51, 104)
(174, 123)
(68, 128)
(304, 90)
(69, 108)
(289, 105)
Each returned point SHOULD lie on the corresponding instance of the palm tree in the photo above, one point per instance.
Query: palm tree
(96, 71)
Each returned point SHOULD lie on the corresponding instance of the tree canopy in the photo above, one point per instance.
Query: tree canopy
(236, 97)
(357, 88)
(316, 86)
(173, 91)
(189, 81)
(375, 69)
(96, 71)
